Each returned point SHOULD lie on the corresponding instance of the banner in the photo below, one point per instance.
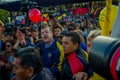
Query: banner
(80, 11)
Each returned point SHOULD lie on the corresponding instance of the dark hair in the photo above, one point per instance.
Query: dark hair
(74, 37)
(29, 57)
(22, 29)
(58, 27)
(51, 16)
(70, 28)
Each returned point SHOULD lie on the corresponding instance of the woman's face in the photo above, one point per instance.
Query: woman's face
(57, 32)
(8, 47)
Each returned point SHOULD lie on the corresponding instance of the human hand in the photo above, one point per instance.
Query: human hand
(20, 37)
(1, 63)
(80, 76)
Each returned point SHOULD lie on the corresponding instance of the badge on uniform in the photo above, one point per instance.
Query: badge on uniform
(49, 55)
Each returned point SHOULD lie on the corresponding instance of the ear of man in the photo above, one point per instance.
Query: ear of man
(30, 71)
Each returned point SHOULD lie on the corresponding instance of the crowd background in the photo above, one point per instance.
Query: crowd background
(61, 13)
(62, 19)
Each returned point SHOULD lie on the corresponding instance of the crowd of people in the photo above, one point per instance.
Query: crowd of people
(52, 50)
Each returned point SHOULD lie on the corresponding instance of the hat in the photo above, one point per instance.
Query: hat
(34, 27)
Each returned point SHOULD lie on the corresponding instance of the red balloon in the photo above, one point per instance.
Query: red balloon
(35, 15)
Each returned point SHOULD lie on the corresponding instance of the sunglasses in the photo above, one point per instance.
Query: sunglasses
(8, 45)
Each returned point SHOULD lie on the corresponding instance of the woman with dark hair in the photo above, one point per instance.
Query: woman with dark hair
(6, 60)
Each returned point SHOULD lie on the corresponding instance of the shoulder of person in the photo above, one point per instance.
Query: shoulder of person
(82, 55)
(45, 74)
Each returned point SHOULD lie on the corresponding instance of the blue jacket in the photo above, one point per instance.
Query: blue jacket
(83, 46)
(52, 55)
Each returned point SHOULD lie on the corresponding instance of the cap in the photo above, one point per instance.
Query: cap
(34, 27)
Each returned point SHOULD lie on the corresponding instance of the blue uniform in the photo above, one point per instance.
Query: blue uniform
(52, 55)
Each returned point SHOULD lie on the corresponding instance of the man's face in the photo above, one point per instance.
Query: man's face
(34, 33)
(19, 71)
(46, 35)
(68, 45)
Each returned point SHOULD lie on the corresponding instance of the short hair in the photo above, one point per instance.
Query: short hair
(70, 28)
(47, 26)
(75, 38)
(58, 28)
(29, 58)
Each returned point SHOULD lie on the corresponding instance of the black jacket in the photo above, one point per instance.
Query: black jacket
(45, 74)
(66, 73)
